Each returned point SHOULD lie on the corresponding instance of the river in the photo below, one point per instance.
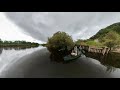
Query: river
(35, 63)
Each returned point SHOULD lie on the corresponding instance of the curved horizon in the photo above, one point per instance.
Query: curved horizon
(38, 26)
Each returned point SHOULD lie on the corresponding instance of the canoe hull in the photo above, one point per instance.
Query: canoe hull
(71, 58)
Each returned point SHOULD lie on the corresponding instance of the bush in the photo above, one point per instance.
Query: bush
(111, 39)
(60, 41)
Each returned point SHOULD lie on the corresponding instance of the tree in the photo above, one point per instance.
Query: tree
(0, 41)
(59, 44)
(59, 40)
(111, 39)
(80, 42)
(6, 42)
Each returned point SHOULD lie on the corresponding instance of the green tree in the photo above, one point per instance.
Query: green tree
(0, 41)
(60, 42)
(80, 42)
(93, 43)
(111, 39)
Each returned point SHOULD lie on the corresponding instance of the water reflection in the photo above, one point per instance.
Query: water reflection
(38, 65)
(15, 48)
(110, 60)
(1, 49)
(9, 55)
(35, 62)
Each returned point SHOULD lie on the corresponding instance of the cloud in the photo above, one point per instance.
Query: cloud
(10, 31)
(41, 25)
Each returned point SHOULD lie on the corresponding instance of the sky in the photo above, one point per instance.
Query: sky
(10, 31)
(38, 26)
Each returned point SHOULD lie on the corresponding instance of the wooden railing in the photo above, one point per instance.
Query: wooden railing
(102, 50)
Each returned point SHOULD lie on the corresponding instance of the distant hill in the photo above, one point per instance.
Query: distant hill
(114, 27)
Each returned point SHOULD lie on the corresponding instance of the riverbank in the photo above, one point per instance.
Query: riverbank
(18, 45)
(117, 50)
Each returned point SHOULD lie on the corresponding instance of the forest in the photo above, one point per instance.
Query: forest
(17, 43)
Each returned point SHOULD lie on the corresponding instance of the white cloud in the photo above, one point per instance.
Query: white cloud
(41, 25)
(10, 31)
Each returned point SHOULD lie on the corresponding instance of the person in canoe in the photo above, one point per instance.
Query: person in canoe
(74, 51)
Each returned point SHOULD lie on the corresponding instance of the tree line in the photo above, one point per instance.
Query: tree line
(17, 43)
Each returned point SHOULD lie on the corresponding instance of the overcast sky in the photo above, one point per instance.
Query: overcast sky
(10, 31)
(38, 26)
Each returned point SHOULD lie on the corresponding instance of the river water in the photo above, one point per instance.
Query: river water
(35, 63)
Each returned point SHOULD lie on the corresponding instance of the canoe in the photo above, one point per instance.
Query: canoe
(71, 58)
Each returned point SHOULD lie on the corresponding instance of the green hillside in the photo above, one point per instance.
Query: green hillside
(109, 36)
(114, 27)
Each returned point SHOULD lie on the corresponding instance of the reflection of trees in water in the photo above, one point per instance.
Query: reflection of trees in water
(110, 60)
(16, 48)
(7, 48)
(1, 49)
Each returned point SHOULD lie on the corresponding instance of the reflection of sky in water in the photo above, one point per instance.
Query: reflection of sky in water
(36, 63)
(10, 56)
